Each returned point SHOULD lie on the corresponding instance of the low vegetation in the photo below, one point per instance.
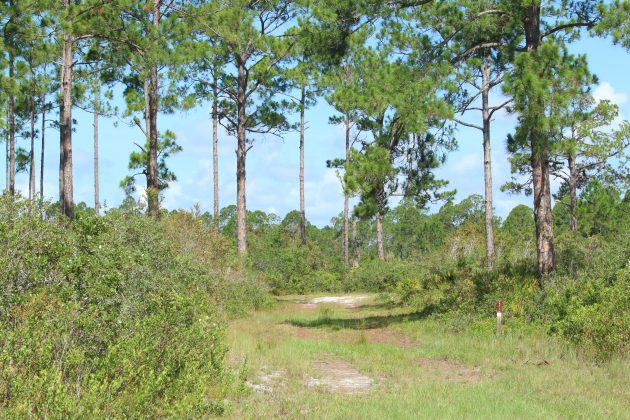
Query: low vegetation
(93, 324)
(585, 301)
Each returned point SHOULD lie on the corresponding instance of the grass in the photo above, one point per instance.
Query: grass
(451, 372)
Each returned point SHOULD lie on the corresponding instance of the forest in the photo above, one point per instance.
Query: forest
(390, 310)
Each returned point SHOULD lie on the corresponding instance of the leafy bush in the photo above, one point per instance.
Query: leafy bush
(290, 268)
(586, 301)
(117, 316)
(593, 314)
(379, 276)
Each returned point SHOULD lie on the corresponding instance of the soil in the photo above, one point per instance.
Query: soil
(338, 376)
(268, 380)
(347, 301)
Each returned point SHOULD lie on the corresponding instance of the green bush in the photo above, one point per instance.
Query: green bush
(380, 276)
(595, 315)
(290, 268)
(113, 316)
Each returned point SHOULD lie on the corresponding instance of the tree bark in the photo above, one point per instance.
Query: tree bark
(487, 163)
(573, 175)
(380, 249)
(542, 206)
(540, 165)
(152, 172)
(97, 105)
(302, 205)
(65, 128)
(241, 155)
(42, 155)
(355, 245)
(6, 160)
(11, 129)
(31, 181)
(215, 151)
(346, 198)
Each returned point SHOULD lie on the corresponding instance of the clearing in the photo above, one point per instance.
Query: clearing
(354, 357)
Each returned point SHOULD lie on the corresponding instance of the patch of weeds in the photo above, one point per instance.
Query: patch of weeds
(242, 377)
(325, 314)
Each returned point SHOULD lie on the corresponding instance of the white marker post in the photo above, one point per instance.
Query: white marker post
(499, 317)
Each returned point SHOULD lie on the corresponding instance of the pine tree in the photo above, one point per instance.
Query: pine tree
(92, 78)
(480, 40)
(406, 133)
(530, 87)
(13, 16)
(153, 49)
(339, 81)
(76, 23)
(140, 163)
(615, 22)
(542, 85)
(303, 79)
(254, 36)
(585, 145)
(209, 65)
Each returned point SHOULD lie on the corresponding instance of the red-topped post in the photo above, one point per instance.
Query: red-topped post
(499, 316)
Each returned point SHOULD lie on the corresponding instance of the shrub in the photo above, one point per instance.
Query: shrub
(379, 276)
(596, 315)
(115, 316)
(289, 268)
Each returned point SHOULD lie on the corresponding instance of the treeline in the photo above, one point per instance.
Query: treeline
(398, 73)
(411, 236)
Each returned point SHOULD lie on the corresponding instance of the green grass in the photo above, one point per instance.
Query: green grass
(452, 372)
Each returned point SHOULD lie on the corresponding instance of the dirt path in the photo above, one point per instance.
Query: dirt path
(329, 373)
(354, 356)
(312, 322)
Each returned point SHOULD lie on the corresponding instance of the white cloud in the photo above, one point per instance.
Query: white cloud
(605, 91)
(175, 198)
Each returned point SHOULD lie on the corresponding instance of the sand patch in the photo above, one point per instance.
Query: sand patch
(348, 301)
(338, 376)
(267, 380)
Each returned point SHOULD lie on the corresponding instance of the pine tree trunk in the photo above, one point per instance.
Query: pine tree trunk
(11, 130)
(487, 164)
(302, 205)
(573, 175)
(152, 170)
(31, 181)
(6, 160)
(215, 151)
(542, 206)
(355, 245)
(380, 249)
(65, 128)
(42, 155)
(540, 166)
(97, 105)
(346, 198)
(241, 155)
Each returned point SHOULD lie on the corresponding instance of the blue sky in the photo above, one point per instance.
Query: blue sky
(272, 184)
